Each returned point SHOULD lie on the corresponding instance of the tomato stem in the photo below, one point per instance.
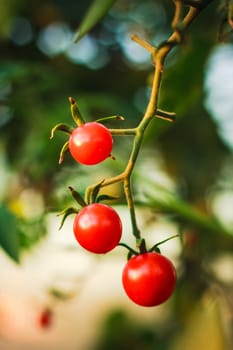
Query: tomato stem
(123, 132)
(130, 203)
(158, 55)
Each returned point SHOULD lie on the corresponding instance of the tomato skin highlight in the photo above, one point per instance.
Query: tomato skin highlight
(97, 228)
(90, 143)
(149, 279)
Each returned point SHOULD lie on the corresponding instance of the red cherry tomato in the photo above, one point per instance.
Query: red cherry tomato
(45, 318)
(97, 228)
(90, 143)
(149, 279)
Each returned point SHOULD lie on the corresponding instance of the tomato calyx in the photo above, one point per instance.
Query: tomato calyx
(75, 112)
(65, 213)
(92, 194)
(131, 251)
(111, 117)
(92, 198)
(66, 128)
(141, 245)
(155, 248)
(77, 196)
(61, 127)
(89, 143)
(72, 210)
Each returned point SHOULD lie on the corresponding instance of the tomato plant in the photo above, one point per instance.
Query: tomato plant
(90, 143)
(149, 279)
(97, 228)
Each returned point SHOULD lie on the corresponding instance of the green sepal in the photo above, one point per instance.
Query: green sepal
(129, 255)
(141, 244)
(63, 151)
(111, 117)
(156, 246)
(61, 127)
(131, 251)
(75, 112)
(105, 197)
(79, 199)
(155, 249)
(95, 192)
(65, 213)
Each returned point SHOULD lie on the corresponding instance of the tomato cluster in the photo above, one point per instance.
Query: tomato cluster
(148, 277)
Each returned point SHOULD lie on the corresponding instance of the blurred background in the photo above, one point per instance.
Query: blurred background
(53, 295)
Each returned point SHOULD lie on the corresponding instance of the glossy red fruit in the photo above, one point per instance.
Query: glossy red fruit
(97, 228)
(149, 279)
(90, 143)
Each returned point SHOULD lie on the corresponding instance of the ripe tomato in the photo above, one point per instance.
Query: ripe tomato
(45, 318)
(90, 143)
(149, 279)
(97, 228)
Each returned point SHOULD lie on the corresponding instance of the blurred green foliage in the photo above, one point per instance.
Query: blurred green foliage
(9, 235)
(121, 332)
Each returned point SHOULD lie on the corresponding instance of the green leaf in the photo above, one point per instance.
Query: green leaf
(9, 238)
(95, 13)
